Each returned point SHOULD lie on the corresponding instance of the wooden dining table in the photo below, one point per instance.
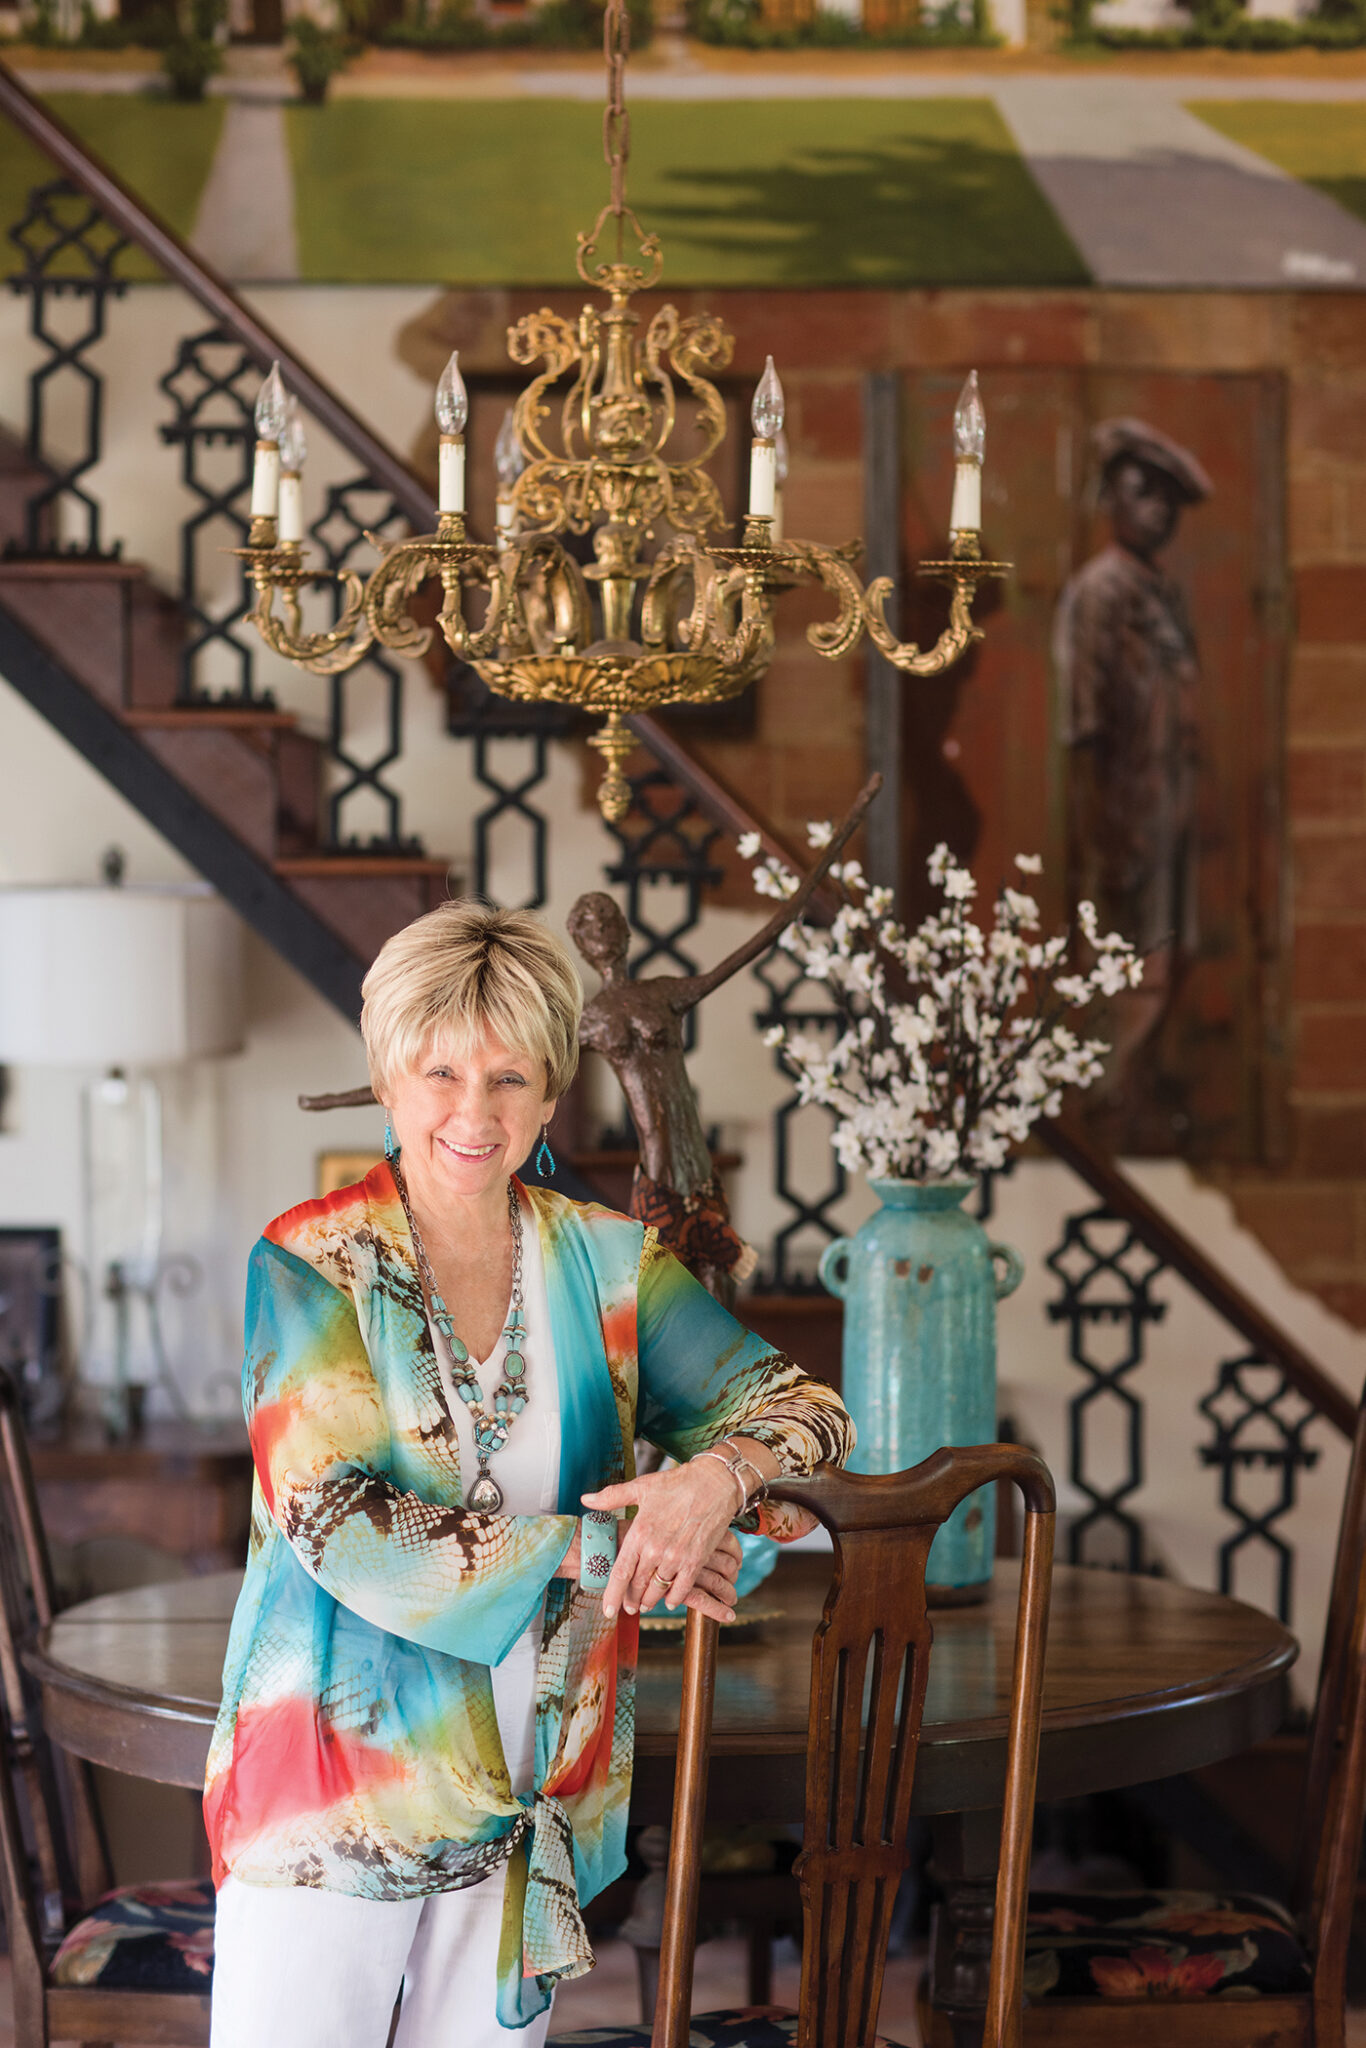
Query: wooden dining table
(1144, 1679)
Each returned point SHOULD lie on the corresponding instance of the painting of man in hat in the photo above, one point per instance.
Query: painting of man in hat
(1129, 712)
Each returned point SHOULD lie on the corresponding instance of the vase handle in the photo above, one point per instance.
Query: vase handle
(834, 1266)
(1009, 1280)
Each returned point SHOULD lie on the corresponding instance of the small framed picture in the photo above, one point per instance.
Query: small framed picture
(340, 1169)
(31, 1321)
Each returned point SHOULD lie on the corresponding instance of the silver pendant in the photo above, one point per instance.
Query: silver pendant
(485, 1496)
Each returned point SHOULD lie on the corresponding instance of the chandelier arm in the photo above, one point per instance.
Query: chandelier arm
(404, 567)
(325, 654)
(465, 642)
(840, 635)
(952, 644)
(751, 640)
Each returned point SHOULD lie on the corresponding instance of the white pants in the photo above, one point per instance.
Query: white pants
(300, 1968)
(315, 1969)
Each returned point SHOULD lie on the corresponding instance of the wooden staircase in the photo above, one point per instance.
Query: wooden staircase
(249, 769)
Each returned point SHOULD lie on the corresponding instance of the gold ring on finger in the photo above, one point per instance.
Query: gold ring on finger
(665, 1578)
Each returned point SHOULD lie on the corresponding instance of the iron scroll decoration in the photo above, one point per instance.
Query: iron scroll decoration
(661, 615)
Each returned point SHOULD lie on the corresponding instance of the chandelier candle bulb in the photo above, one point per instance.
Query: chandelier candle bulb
(452, 408)
(291, 527)
(509, 462)
(450, 480)
(292, 450)
(272, 414)
(969, 447)
(780, 467)
(766, 415)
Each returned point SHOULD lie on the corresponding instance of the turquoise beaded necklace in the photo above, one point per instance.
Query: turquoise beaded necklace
(491, 1431)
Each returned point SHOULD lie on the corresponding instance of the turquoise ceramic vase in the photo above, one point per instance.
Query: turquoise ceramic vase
(920, 1282)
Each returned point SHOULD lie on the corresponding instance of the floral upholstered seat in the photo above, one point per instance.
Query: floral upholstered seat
(1161, 1945)
(753, 2026)
(147, 1937)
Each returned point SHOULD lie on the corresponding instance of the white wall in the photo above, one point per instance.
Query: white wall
(245, 1150)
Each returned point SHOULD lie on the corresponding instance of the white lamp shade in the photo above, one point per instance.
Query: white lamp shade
(114, 976)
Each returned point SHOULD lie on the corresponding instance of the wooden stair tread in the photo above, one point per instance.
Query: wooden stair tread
(216, 717)
(62, 568)
(338, 866)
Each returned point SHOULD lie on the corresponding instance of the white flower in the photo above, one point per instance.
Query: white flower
(1029, 863)
(1111, 974)
(1023, 910)
(749, 844)
(941, 1151)
(950, 1073)
(821, 834)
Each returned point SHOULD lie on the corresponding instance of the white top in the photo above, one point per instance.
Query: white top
(527, 1469)
(528, 1466)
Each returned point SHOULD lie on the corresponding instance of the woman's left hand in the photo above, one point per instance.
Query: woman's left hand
(679, 1544)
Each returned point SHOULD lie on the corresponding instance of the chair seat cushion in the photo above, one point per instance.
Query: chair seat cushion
(751, 2026)
(1161, 1945)
(143, 1937)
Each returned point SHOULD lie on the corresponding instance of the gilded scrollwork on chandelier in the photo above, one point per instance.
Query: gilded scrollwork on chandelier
(609, 441)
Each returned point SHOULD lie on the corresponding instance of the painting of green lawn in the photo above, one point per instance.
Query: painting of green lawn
(758, 192)
(162, 148)
(1321, 143)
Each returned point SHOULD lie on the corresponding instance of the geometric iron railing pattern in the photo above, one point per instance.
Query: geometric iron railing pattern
(212, 384)
(367, 699)
(665, 867)
(69, 252)
(1107, 1304)
(1259, 1423)
(807, 1176)
(510, 758)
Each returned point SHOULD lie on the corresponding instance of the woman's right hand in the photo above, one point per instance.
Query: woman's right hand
(713, 1590)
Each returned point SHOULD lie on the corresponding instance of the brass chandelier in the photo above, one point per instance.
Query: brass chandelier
(595, 447)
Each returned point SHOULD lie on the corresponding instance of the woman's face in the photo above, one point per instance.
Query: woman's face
(466, 1121)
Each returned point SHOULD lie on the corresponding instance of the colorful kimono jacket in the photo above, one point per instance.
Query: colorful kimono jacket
(357, 1748)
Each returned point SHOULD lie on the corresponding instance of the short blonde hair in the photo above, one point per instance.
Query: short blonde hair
(464, 970)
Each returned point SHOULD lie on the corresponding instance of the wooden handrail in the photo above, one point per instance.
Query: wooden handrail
(128, 213)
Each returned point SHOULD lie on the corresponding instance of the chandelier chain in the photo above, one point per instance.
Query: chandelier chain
(616, 122)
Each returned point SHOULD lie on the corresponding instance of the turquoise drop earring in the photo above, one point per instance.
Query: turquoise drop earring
(545, 1158)
(390, 1144)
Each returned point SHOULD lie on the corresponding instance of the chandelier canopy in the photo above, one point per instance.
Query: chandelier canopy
(609, 442)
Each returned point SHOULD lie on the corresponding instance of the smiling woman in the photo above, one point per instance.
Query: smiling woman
(422, 1762)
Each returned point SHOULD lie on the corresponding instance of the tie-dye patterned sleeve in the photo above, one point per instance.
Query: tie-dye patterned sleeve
(703, 1375)
(462, 1583)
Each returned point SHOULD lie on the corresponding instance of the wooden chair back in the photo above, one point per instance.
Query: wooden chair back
(1334, 1811)
(52, 1850)
(870, 1663)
